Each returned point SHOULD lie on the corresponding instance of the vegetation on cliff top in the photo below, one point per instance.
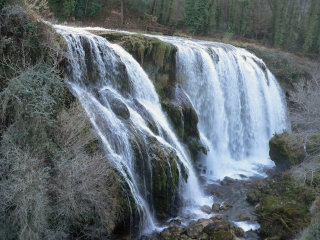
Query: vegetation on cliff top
(292, 25)
(143, 47)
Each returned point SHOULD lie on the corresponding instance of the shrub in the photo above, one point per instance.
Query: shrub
(94, 9)
(30, 103)
(26, 42)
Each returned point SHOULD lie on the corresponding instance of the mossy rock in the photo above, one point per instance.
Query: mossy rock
(181, 113)
(155, 56)
(281, 206)
(286, 150)
(119, 108)
(158, 60)
(143, 47)
(223, 235)
(113, 36)
(147, 117)
(165, 179)
(195, 147)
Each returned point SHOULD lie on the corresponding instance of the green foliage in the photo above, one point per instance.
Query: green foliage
(68, 7)
(282, 24)
(143, 47)
(65, 9)
(26, 42)
(283, 206)
(197, 15)
(291, 25)
(49, 184)
(30, 103)
(94, 8)
(2, 3)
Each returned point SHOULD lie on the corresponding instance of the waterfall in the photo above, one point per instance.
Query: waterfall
(121, 102)
(239, 103)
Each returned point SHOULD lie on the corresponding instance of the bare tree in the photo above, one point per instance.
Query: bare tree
(305, 104)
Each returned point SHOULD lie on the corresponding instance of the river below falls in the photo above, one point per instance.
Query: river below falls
(227, 192)
(234, 193)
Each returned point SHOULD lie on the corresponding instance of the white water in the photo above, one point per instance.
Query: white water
(247, 226)
(240, 105)
(90, 53)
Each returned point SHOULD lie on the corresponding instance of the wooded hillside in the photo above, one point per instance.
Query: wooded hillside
(292, 25)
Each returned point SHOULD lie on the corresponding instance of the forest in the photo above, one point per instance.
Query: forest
(195, 119)
(292, 25)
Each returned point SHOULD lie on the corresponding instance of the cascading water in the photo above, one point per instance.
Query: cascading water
(120, 99)
(238, 101)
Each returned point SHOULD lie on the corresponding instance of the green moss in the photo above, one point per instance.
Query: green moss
(223, 235)
(165, 178)
(283, 206)
(286, 150)
(113, 36)
(143, 47)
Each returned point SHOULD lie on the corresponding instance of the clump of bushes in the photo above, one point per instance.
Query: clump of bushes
(66, 9)
(282, 206)
(25, 42)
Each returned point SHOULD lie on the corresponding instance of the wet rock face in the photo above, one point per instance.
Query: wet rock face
(146, 117)
(227, 181)
(184, 118)
(158, 59)
(159, 173)
(181, 112)
(119, 108)
(286, 150)
(165, 179)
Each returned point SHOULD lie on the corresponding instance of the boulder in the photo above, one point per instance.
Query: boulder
(243, 217)
(215, 207)
(165, 178)
(225, 206)
(206, 209)
(227, 181)
(286, 150)
(237, 231)
(117, 105)
(194, 231)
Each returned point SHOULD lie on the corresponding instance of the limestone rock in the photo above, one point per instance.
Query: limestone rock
(207, 209)
(215, 207)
